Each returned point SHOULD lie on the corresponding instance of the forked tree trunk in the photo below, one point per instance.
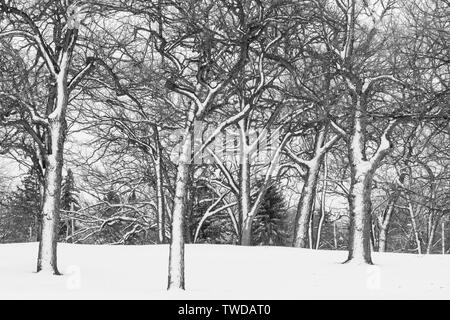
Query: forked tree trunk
(361, 176)
(305, 205)
(384, 227)
(385, 220)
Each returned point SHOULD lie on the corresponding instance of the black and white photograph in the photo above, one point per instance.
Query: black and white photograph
(224, 151)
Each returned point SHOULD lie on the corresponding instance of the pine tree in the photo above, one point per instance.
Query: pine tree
(20, 220)
(270, 224)
(69, 192)
(69, 202)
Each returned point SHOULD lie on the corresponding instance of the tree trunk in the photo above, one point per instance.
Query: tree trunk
(431, 235)
(47, 261)
(246, 234)
(361, 172)
(443, 235)
(361, 175)
(305, 206)
(161, 218)
(360, 221)
(311, 229)
(245, 201)
(384, 226)
(382, 240)
(176, 253)
(335, 239)
(245, 217)
(414, 225)
(50, 213)
(322, 203)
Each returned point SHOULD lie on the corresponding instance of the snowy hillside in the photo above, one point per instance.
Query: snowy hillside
(213, 272)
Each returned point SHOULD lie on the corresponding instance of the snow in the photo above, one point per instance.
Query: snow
(220, 272)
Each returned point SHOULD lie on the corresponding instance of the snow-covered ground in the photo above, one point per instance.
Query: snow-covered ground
(220, 272)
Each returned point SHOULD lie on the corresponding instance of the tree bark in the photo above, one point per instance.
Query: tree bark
(360, 222)
(335, 239)
(414, 225)
(160, 204)
(382, 240)
(176, 253)
(322, 202)
(47, 261)
(305, 206)
(384, 227)
(361, 176)
(361, 172)
(431, 234)
(244, 196)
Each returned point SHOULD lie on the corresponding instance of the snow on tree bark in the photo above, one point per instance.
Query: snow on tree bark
(177, 240)
(244, 187)
(305, 206)
(161, 221)
(47, 261)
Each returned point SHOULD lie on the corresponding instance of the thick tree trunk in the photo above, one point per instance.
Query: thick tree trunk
(361, 175)
(360, 220)
(305, 206)
(361, 172)
(47, 261)
(176, 254)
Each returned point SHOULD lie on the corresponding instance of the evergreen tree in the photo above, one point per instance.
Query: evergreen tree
(69, 193)
(20, 218)
(69, 202)
(270, 224)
